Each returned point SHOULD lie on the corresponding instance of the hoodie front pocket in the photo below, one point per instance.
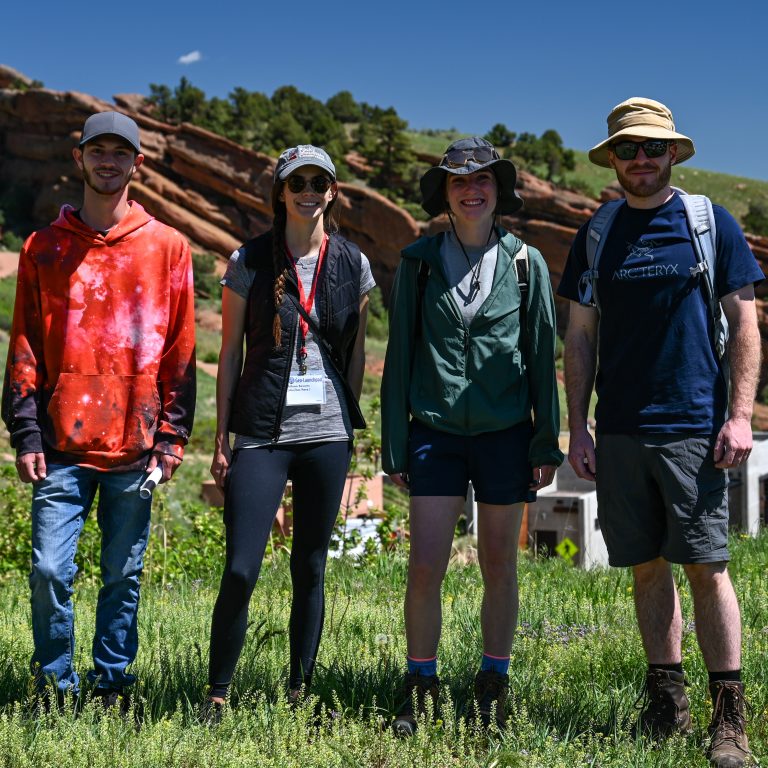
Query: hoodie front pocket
(103, 413)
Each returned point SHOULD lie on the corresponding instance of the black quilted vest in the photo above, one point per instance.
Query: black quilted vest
(258, 405)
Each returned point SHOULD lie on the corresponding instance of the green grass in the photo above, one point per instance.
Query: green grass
(434, 142)
(577, 667)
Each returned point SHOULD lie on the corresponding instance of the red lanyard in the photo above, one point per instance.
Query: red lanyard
(307, 301)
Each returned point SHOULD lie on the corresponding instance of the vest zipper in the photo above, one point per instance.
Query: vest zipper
(281, 405)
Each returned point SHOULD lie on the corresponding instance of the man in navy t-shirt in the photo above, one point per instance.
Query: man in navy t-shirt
(666, 430)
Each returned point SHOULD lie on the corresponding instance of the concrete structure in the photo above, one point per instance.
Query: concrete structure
(563, 521)
(748, 487)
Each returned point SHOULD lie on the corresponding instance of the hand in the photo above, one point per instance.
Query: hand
(733, 444)
(400, 479)
(222, 458)
(166, 461)
(542, 477)
(581, 455)
(31, 467)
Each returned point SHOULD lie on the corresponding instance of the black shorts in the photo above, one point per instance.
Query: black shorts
(661, 496)
(442, 464)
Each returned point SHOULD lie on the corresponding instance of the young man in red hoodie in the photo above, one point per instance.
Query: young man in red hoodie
(99, 391)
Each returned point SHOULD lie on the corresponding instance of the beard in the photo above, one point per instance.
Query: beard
(645, 187)
(107, 187)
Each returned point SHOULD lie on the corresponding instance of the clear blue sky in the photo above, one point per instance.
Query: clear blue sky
(531, 65)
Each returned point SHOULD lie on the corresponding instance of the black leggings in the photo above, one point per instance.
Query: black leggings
(255, 486)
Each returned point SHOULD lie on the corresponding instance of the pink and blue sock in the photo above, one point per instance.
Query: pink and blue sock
(423, 667)
(499, 664)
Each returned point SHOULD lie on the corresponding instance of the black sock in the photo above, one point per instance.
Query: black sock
(667, 667)
(731, 676)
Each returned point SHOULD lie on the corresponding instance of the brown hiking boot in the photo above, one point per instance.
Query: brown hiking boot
(664, 705)
(491, 689)
(415, 687)
(728, 745)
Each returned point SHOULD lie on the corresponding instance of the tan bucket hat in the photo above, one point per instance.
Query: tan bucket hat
(646, 119)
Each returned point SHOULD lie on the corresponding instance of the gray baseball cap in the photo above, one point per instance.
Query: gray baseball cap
(304, 154)
(114, 123)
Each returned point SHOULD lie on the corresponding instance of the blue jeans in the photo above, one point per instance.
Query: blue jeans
(60, 506)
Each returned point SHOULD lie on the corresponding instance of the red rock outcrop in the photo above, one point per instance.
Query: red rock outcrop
(217, 192)
(213, 190)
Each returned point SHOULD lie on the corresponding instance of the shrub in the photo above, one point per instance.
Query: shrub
(206, 280)
(11, 241)
(377, 327)
(755, 220)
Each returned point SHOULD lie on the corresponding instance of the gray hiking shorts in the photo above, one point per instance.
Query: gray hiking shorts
(661, 496)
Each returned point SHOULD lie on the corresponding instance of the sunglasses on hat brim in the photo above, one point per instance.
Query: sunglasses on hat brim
(458, 158)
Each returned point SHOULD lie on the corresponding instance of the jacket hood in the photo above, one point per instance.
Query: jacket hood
(136, 218)
(428, 248)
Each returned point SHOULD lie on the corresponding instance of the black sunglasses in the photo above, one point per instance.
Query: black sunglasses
(627, 150)
(458, 158)
(320, 184)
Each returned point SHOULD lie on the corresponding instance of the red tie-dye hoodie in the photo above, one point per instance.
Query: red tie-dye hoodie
(101, 362)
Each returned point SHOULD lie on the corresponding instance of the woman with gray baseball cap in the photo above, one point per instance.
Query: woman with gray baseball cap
(298, 297)
(469, 395)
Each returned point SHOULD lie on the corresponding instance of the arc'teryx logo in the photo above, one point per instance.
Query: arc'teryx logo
(642, 251)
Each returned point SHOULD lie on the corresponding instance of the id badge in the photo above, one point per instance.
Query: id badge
(308, 389)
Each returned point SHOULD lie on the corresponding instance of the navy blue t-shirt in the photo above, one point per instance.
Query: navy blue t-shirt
(657, 368)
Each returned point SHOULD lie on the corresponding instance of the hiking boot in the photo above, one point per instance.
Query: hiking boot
(491, 689)
(210, 713)
(113, 698)
(415, 687)
(728, 745)
(664, 705)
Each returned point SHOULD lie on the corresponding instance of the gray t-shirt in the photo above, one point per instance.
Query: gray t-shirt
(303, 423)
(460, 276)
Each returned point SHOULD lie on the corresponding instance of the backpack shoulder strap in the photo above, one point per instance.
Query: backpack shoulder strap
(598, 229)
(421, 287)
(701, 222)
(521, 270)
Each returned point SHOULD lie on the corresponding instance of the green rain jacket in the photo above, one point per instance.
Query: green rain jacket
(469, 380)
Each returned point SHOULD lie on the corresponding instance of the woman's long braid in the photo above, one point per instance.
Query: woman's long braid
(279, 267)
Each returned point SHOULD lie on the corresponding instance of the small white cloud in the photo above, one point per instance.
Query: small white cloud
(190, 58)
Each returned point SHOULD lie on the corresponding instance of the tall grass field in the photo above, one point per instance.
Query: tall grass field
(577, 669)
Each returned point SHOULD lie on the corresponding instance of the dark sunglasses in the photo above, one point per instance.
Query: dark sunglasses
(458, 158)
(320, 184)
(627, 150)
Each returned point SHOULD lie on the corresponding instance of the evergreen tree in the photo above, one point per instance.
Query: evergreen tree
(501, 137)
(383, 141)
(344, 107)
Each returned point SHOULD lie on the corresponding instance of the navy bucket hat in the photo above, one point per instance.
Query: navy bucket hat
(467, 156)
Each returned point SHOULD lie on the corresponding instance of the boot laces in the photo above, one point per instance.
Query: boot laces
(654, 702)
(728, 716)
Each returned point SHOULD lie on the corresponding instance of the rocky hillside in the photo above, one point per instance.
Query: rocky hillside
(217, 192)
